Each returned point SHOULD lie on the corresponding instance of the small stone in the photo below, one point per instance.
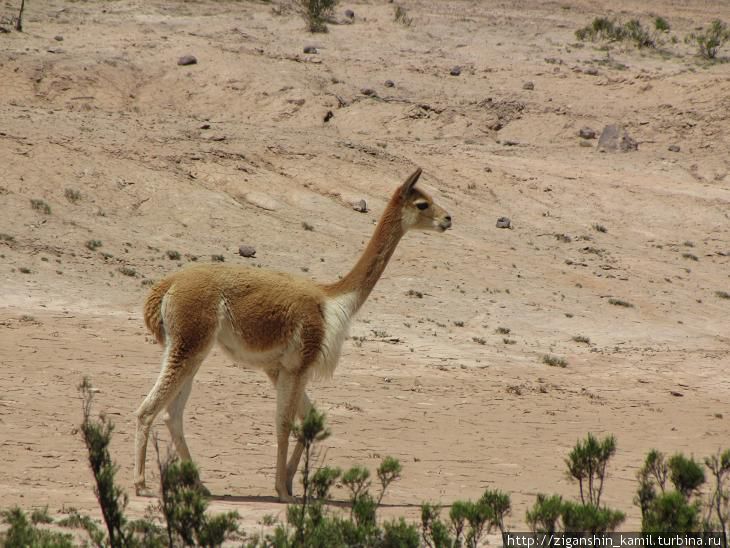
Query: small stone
(360, 206)
(310, 49)
(205, 126)
(246, 251)
(504, 222)
(591, 71)
(58, 38)
(349, 14)
(328, 116)
(614, 138)
(187, 60)
(369, 92)
(673, 148)
(528, 85)
(587, 133)
(389, 84)
(455, 71)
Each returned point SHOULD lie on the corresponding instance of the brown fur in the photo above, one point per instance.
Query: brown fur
(290, 327)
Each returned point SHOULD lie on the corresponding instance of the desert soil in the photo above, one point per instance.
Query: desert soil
(234, 150)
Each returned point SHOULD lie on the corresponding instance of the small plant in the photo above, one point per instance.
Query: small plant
(307, 226)
(400, 15)
(636, 32)
(458, 323)
(690, 256)
(505, 340)
(563, 238)
(24, 270)
(723, 294)
(581, 339)
(414, 293)
(6, 238)
(40, 205)
(72, 195)
(710, 41)
(619, 302)
(173, 255)
(599, 228)
(316, 13)
(217, 258)
(503, 330)
(661, 24)
(554, 361)
(22, 532)
(127, 271)
(479, 340)
(93, 245)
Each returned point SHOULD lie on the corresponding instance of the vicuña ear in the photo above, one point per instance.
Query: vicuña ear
(410, 182)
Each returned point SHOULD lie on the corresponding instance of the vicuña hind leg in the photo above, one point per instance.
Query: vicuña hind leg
(178, 369)
(289, 393)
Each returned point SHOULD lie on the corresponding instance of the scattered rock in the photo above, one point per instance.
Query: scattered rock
(587, 133)
(614, 138)
(510, 143)
(370, 92)
(676, 394)
(328, 116)
(455, 71)
(264, 201)
(349, 14)
(310, 49)
(585, 143)
(389, 84)
(360, 206)
(205, 126)
(246, 251)
(673, 148)
(187, 60)
(592, 71)
(504, 222)
(528, 85)
(218, 138)
(58, 38)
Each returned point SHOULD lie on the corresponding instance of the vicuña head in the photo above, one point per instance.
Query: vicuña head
(291, 328)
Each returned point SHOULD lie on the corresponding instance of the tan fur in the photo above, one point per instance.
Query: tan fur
(290, 327)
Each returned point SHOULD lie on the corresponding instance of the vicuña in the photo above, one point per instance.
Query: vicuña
(289, 327)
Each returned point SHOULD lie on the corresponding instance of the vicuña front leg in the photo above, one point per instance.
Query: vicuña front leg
(291, 469)
(289, 393)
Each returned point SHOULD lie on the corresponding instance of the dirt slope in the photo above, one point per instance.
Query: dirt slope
(234, 150)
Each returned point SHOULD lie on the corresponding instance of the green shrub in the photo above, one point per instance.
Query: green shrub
(709, 41)
(316, 13)
(22, 532)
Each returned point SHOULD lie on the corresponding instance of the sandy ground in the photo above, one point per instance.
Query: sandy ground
(234, 150)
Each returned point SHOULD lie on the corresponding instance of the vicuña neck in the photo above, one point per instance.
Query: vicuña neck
(368, 269)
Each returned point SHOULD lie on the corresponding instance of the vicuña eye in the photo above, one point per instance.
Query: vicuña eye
(422, 205)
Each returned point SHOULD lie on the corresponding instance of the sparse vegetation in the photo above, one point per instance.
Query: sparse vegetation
(690, 256)
(479, 340)
(503, 330)
(582, 339)
(599, 228)
(587, 464)
(400, 15)
(554, 361)
(459, 323)
(173, 255)
(505, 340)
(24, 270)
(72, 195)
(307, 226)
(619, 302)
(709, 41)
(217, 258)
(723, 294)
(127, 271)
(414, 293)
(316, 13)
(93, 245)
(40, 205)
(605, 29)
(6, 238)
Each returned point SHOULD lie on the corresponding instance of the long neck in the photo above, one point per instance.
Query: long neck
(368, 269)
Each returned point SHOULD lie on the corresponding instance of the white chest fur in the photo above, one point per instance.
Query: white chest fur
(338, 312)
